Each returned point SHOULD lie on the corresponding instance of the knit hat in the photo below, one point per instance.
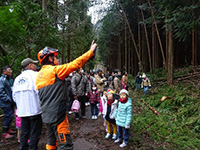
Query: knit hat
(144, 75)
(110, 91)
(124, 91)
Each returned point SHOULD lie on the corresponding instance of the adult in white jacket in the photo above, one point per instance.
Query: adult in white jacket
(26, 98)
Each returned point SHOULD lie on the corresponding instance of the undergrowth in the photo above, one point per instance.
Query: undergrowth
(177, 126)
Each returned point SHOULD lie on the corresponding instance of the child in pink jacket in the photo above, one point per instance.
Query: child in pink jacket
(94, 101)
(18, 125)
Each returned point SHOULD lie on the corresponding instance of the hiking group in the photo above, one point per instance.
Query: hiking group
(49, 94)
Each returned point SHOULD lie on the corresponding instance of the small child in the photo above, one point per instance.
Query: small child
(123, 117)
(103, 103)
(145, 83)
(108, 114)
(94, 100)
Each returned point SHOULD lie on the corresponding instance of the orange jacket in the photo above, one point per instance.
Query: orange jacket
(51, 85)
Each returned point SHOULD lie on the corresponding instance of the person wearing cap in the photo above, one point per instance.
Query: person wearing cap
(52, 93)
(6, 100)
(100, 80)
(27, 101)
(123, 116)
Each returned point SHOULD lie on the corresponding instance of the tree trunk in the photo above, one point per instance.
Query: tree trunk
(125, 45)
(129, 56)
(132, 36)
(194, 47)
(63, 47)
(166, 41)
(158, 35)
(119, 54)
(139, 39)
(44, 5)
(153, 48)
(68, 46)
(147, 41)
(170, 57)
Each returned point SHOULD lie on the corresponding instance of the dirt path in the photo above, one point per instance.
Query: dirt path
(87, 134)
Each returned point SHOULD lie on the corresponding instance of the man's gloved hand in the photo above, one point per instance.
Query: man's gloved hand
(93, 48)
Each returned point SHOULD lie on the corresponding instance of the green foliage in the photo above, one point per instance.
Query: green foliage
(174, 12)
(109, 34)
(131, 81)
(177, 126)
(25, 26)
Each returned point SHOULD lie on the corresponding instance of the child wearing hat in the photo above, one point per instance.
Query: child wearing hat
(123, 116)
(145, 83)
(108, 114)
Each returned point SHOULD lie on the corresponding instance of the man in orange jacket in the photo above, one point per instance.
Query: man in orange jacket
(50, 83)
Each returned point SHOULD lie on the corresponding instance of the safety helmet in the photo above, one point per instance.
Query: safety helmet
(45, 52)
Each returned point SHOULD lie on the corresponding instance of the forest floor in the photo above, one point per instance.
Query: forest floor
(87, 134)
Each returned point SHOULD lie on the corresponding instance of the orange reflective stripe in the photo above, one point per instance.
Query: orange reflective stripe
(63, 70)
(50, 147)
(62, 129)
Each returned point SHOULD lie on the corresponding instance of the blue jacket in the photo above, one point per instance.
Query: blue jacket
(123, 114)
(5, 91)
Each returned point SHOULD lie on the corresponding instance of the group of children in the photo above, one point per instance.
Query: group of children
(117, 113)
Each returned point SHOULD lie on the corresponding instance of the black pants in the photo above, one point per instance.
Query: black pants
(69, 103)
(81, 99)
(8, 117)
(31, 128)
(58, 134)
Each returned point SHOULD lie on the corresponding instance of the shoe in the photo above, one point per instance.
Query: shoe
(7, 135)
(11, 131)
(122, 145)
(77, 118)
(84, 117)
(114, 137)
(107, 135)
(117, 140)
(70, 112)
(93, 117)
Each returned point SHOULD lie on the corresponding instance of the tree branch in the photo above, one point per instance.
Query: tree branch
(13, 61)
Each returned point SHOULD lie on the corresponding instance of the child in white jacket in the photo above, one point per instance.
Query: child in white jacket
(108, 114)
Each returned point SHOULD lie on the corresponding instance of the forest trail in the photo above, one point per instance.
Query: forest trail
(87, 134)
